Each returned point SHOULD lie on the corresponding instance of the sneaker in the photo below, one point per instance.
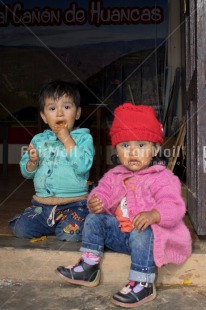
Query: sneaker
(134, 294)
(90, 276)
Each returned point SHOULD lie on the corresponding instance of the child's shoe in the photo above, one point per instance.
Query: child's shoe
(134, 294)
(80, 274)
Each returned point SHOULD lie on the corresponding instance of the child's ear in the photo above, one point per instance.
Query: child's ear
(156, 148)
(78, 114)
(115, 159)
(43, 117)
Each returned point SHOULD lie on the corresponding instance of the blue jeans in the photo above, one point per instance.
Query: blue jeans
(66, 221)
(102, 230)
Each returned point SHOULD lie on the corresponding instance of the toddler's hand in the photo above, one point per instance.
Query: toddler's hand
(144, 219)
(33, 154)
(95, 204)
(61, 131)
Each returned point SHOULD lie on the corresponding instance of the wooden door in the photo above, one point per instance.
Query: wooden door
(195, 75)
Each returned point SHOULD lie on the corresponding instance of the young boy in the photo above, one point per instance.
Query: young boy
(58, 160)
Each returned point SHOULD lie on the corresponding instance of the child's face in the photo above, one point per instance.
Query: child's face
(135, 155)
(60, 110)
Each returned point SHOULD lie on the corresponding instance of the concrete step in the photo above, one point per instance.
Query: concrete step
(21, 260)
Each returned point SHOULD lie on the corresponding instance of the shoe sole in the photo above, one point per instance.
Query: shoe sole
(79, 282)
(138, 303)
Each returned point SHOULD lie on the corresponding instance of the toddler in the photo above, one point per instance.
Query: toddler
(136, 209)
(58, 160)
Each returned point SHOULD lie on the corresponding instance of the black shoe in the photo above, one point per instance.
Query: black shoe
(90, 276)
(128, 298)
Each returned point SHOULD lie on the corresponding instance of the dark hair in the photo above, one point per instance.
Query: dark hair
(159, 160)
(57, 89)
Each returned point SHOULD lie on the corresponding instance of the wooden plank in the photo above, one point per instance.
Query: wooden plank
(178, 145)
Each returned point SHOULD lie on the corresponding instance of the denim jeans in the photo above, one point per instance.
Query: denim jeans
(102, 230)
(66, 221)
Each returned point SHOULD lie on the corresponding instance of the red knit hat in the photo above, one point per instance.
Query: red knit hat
(135, 122)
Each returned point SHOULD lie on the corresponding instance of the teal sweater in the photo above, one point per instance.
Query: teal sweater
(59, 174)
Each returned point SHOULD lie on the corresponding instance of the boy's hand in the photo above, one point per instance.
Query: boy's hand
(33, 158)
(61, 131)
(33, 154)
(95, 204)
(144, 219)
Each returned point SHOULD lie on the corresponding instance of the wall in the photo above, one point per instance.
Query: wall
(174, 44)
(174, 61)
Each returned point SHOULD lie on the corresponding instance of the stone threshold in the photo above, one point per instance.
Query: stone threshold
(21, 260)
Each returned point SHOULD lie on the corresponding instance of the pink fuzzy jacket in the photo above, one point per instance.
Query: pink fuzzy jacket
(153, 188)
